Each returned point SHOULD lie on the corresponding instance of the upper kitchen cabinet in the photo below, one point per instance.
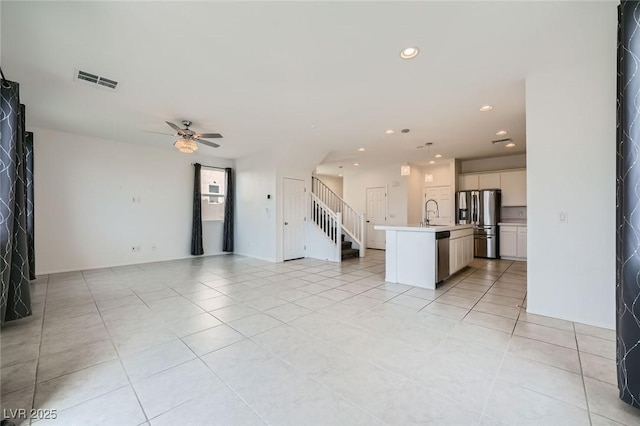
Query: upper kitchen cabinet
(513, 184)
(514, 188)
(489, 181)
(468, 182)
(479, 181)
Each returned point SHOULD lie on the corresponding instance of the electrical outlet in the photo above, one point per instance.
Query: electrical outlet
(135, 249)
(153, 248)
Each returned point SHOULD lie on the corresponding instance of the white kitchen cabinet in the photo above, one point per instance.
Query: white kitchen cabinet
(512, 183)
(468, 182)
(513, 241)
(468, 249)
(489, 181)
(514, 188)
(508, 241)
(522, 242)
(460, 249)
(454, 247)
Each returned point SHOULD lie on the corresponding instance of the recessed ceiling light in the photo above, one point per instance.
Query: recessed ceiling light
(438, 156)
(340, 174)
(510, 145)
(356, 164)
(485, 108)
(432, 162)
(501, 132)
(389, 132)
(409, 52)
(361, 149)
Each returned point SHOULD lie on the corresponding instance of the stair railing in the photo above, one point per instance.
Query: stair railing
(353, 223)
(329, 222)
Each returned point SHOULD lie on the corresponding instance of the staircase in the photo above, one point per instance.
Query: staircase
(347, 251)
(334, 216)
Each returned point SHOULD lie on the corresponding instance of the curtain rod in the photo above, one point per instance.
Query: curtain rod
(210, 167)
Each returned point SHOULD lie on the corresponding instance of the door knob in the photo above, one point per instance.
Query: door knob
(286, 223)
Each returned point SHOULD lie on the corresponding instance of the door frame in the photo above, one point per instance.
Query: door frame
(304, 216)
(386, 211)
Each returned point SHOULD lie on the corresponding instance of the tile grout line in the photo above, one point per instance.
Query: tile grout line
(584, 385)
(35, 384)
(144, 413)
(313, 379)
(487, 292)
(369, 361)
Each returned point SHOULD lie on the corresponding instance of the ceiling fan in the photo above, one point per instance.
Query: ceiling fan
(188, 138)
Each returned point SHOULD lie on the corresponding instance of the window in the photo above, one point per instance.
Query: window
(213, 184)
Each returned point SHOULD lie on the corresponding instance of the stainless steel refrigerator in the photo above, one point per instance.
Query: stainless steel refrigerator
(482, 209)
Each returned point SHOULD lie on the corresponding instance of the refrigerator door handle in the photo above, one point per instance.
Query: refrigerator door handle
(474, 206)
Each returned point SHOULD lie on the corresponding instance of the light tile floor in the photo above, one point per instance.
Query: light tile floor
(233, 340)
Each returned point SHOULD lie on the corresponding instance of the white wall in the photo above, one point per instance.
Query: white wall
(442, 174)
(571, 133)
(85, 215)
(297, 161)
(497, 163)
(415, 195)
(357, 181)
(333, 182)
(255, 215)
(319, 246)
(259, 224)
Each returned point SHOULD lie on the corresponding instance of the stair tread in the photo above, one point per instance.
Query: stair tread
(349, 253)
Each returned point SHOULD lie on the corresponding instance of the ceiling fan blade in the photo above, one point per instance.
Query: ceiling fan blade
(158, 133)
(208, 135)
(176, 128)
(208, 143)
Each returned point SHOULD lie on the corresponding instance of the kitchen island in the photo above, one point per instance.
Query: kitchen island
(411, 255)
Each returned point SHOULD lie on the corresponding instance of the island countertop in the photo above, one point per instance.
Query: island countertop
(418, 228)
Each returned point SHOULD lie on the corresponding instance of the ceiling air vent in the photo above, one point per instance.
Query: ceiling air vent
(96, 79)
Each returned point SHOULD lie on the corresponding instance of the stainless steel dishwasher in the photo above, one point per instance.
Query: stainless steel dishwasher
(442, 255)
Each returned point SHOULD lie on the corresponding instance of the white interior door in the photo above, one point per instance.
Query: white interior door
(376, 215)
(442, 195)
(293, 214)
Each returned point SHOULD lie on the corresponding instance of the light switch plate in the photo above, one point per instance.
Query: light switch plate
(563, 217)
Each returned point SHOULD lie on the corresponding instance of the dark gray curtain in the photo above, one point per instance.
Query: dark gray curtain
(227, 236)
(15, 298)
(628, 203)
(28, 153)
(196, 229)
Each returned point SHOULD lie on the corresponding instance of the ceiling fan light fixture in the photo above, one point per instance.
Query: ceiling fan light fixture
(186, 145)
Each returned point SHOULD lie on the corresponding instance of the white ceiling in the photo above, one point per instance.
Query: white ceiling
(269, 75)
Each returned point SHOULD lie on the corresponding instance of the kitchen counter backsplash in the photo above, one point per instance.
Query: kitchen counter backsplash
(513, 214)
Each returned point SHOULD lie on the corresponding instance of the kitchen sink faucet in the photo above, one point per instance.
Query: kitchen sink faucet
(427, 211)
